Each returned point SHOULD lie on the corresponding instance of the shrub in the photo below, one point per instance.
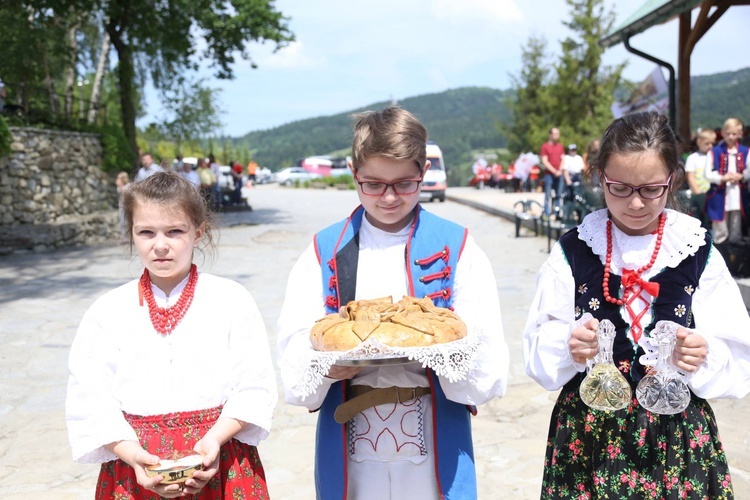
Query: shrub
(5, 137)
(116, 152)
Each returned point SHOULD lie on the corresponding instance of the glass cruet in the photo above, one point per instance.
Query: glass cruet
(604, 387)
(664, 390)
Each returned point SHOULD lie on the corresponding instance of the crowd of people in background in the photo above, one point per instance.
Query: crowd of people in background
(219, 189)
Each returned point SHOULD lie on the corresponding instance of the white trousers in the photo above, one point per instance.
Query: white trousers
(396, 480)
(729, 229)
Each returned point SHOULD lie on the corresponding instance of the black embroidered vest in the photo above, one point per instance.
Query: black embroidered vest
(674, 302)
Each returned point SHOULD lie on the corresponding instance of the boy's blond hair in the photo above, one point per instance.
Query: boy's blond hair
(706, 135)
(392, 133)
(732, 122)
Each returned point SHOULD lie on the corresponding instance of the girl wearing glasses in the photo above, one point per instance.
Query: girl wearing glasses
(634, 263)
(390, 246)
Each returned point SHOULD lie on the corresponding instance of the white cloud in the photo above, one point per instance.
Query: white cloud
(350, 54)
(482, 12)
(293, 56)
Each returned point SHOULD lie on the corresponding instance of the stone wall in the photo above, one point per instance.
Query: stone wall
(53, 192)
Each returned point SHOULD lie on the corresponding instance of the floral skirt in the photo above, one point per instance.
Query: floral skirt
(240, 474)
(633, 453)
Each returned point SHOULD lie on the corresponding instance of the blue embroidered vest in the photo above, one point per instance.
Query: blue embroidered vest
(674, 303)
(432, 252)
(716, 195)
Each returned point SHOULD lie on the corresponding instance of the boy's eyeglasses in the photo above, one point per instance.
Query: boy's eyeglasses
(378, 188)
(647, 191)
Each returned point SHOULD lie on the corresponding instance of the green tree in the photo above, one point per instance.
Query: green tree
(163, 37)
(529, 103)
(192, 110)
(583, 89)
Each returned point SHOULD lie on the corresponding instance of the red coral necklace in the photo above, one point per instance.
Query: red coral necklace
(166, 319)
(636, 275)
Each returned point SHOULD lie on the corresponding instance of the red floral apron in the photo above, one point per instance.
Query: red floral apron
(240, 474)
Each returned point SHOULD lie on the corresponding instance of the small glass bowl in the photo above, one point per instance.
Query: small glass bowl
(178, 468)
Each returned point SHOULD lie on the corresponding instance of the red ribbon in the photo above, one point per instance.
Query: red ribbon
(631, 278)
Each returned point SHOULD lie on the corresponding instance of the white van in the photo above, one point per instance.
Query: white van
(435, 180)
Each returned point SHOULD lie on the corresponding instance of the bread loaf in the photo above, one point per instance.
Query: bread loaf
(411, 322)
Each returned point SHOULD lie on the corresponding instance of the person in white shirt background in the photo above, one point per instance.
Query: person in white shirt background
(148, 167)
(572, 167)
(695, 168)
(190, 175)
(154, 371)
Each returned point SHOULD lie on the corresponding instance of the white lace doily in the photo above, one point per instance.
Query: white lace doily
(451, 360)
(682, 238)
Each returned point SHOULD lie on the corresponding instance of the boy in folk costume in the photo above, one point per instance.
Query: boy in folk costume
(390, 246)
(728, 197)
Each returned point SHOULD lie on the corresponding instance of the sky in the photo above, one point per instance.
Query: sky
(350, 54)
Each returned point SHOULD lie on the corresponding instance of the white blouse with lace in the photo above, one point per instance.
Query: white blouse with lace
(720, 314)
(217, 355)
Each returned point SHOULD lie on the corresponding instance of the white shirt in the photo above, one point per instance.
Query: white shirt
(381, 272)
(720, 314)
(216, 169)
(573, 163)
(217, 355)
(145, 173)
(698, 163)
(192, 177)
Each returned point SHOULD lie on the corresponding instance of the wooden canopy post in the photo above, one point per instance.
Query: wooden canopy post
(688, 37)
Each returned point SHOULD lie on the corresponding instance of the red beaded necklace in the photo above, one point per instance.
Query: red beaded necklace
(165, 320)
(638, 272)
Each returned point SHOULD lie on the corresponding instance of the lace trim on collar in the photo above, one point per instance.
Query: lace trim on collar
(683, 236)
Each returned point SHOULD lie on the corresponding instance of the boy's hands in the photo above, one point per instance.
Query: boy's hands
(690, 350)
(583, 344)
(343, 372)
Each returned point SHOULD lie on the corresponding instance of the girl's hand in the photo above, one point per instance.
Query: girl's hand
(343, 372)
(139, 460)
(583, 344)
(690, 350)
(209, 448)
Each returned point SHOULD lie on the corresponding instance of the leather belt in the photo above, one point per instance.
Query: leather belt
(363, 397)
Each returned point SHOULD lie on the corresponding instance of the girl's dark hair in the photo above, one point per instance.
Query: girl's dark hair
(638, 133)
(171, 191)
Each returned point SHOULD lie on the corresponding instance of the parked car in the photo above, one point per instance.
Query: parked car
(435, 179)
(288, 176)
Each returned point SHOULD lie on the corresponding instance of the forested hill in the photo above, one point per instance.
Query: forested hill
(458, 120)
(465, 119)
(716, 97)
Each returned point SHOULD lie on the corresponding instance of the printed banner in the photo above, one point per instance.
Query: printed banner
(651, 95)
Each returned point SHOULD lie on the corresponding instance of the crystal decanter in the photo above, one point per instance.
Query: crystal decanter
(664, 390)
(604, 387)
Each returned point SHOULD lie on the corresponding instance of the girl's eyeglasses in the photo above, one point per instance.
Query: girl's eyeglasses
(378, 188)
(647, 191)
